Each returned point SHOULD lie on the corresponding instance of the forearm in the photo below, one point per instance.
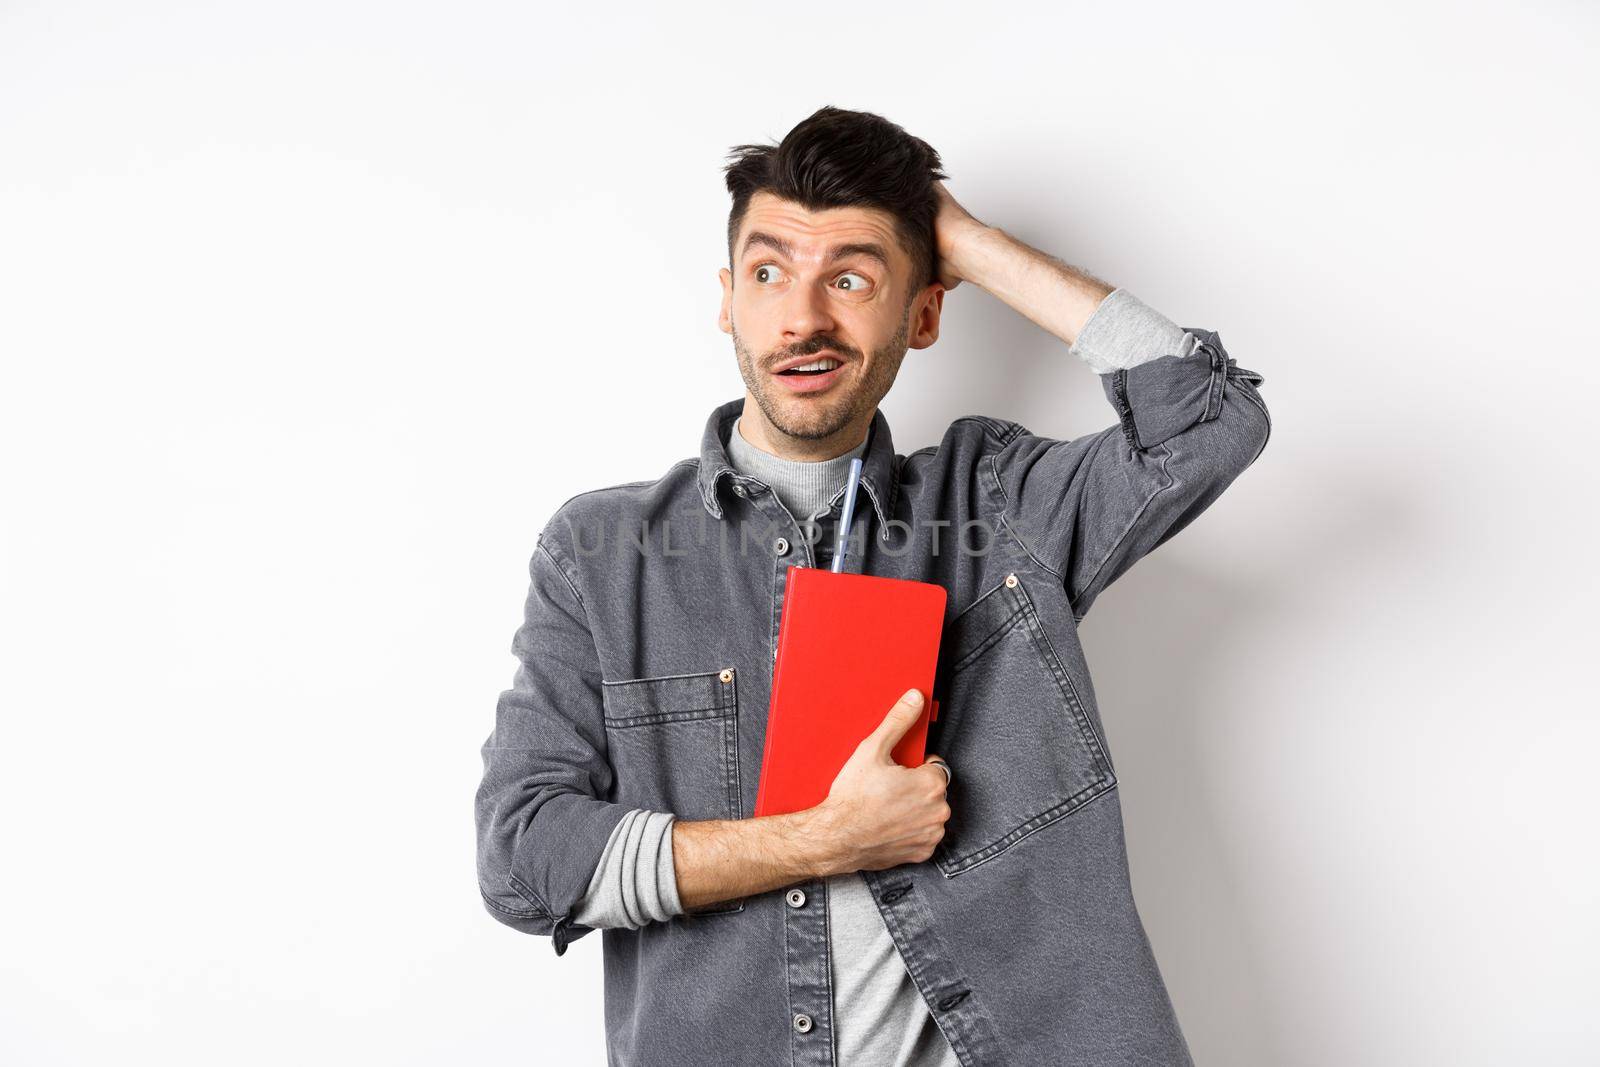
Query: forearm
(1057, 297)
(725, 859)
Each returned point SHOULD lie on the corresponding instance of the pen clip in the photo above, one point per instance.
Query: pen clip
(847, 515)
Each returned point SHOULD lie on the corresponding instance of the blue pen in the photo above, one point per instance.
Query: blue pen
(847, 515)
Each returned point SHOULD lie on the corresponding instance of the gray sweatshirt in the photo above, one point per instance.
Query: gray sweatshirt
(881, 1019)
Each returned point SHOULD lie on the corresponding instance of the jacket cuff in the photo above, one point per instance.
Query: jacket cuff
(1163, 397)
(583, 825)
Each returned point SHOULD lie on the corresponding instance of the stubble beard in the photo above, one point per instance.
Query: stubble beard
(811, 419)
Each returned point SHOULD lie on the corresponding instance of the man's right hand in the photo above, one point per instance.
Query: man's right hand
(879, 814)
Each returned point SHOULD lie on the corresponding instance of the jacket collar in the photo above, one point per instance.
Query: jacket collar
(877, 463)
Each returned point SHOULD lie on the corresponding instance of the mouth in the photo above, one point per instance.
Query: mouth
(810, 374)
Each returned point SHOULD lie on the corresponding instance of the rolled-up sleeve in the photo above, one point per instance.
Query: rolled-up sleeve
(1189, 421)
(636, 881)
(541, 823)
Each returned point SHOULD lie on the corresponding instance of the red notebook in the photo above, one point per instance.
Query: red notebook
(848, 646)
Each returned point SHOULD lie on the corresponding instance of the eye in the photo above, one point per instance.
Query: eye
(768, 267)
(852, 274)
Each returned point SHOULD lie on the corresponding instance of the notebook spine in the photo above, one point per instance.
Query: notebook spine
(786, 620)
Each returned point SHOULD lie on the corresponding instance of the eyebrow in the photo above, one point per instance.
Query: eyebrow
(870, 249)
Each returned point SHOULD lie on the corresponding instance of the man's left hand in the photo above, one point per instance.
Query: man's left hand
(953, 226)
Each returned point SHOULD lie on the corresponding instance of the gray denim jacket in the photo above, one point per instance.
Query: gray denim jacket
(645, 670)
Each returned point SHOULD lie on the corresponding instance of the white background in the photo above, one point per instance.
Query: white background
(312, 313)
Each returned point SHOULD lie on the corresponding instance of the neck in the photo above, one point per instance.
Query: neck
(804, 486)
(753, 426)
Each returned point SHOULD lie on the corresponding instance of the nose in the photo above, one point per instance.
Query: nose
(805, 313)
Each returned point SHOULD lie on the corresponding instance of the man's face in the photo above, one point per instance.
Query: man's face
(832, 284)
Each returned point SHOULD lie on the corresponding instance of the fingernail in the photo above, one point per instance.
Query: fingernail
(913, 696)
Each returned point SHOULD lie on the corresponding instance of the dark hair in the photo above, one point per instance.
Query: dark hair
(838, 158)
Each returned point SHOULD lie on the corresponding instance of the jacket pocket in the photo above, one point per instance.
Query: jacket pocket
(1023, 750)
(674, 744)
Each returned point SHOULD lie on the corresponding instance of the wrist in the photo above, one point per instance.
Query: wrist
(819, 844)
(970, 248)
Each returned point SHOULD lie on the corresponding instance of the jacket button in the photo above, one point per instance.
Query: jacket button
(726, 675)
(1011, 580)
(802, 1023)
(796, 898)
(738, 490)
(781, 546)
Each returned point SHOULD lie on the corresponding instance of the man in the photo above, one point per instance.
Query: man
(977, 912)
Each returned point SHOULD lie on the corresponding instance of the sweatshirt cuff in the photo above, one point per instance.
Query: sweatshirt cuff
(1124, 332)
(635, 881)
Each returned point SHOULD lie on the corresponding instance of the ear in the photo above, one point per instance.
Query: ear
(725, 316)
(925, 318)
